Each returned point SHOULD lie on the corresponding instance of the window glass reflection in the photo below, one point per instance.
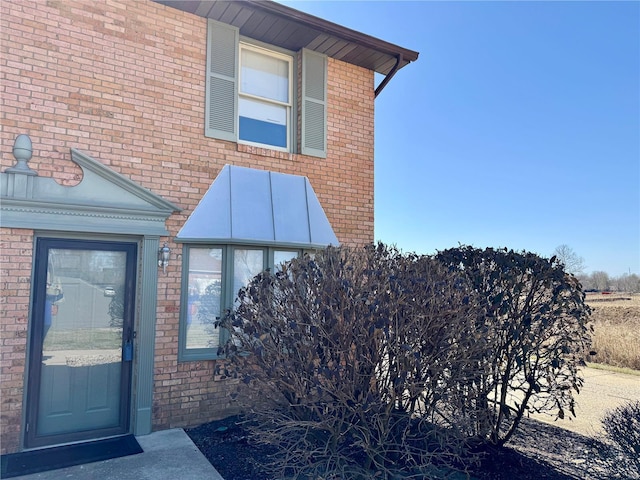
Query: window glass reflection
(84, 303)
(247, 263)
(282, 256)
(204, 298)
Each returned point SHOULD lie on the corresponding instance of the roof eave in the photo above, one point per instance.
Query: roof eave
(335, 29)
(311, 32)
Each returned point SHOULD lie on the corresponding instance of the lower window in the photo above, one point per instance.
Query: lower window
(212, 277)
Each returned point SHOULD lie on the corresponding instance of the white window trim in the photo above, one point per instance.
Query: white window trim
(289, 105)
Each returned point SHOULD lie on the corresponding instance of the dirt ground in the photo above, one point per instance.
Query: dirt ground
(616, 308)
(538, 451)
(541, 449)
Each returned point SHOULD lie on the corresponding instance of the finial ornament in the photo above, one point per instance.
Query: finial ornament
(22, 151)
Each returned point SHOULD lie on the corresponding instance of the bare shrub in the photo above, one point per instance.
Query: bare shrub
(533, 318)
(622, 425)
(357, 356)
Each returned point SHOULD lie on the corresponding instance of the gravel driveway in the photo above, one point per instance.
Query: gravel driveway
(603, 390)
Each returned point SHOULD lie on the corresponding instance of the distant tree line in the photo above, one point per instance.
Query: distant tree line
(601, 281)
(598, 280)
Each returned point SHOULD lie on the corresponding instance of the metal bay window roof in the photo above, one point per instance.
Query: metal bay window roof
(249, 206)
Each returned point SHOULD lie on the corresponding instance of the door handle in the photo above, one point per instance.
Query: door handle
(127, 352)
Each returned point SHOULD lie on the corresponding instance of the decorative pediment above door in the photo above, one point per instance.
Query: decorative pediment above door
(103, 202)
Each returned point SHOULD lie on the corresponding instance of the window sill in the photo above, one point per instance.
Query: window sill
(199, 357)
(265, 152)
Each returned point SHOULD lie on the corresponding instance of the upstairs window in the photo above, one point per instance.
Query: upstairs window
(264, 103)
(251, 94)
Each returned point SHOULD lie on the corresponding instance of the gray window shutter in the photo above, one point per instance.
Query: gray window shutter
(221, 104)
(314, 104)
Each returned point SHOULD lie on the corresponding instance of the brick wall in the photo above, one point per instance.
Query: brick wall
(123, 81)
(15, 276)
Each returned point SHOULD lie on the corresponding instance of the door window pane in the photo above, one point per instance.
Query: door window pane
(204, 297)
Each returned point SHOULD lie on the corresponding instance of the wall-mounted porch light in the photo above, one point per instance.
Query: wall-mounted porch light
(163, 257)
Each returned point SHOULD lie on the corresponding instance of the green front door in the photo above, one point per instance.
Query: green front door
(81, 347)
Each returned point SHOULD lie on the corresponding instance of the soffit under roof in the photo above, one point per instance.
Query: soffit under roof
(249, 206)
(285, 27)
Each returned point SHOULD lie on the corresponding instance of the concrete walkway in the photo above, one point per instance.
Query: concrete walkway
(168, 455)
(603, 390)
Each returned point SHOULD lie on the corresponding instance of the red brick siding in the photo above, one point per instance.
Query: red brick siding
(124, 82)
(15, 276)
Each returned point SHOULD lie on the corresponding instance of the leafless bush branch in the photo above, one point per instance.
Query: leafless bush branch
(365, 350)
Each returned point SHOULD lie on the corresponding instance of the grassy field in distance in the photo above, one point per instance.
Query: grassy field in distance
(616, 321)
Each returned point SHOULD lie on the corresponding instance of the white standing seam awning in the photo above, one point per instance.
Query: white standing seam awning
(249, 206)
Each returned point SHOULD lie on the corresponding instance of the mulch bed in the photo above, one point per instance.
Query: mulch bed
(538, 451)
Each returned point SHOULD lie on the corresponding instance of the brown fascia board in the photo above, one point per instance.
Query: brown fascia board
(332, 28)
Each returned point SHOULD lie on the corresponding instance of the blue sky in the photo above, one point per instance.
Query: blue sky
(518, 126)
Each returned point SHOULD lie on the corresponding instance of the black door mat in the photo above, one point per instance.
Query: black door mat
(34, 461)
